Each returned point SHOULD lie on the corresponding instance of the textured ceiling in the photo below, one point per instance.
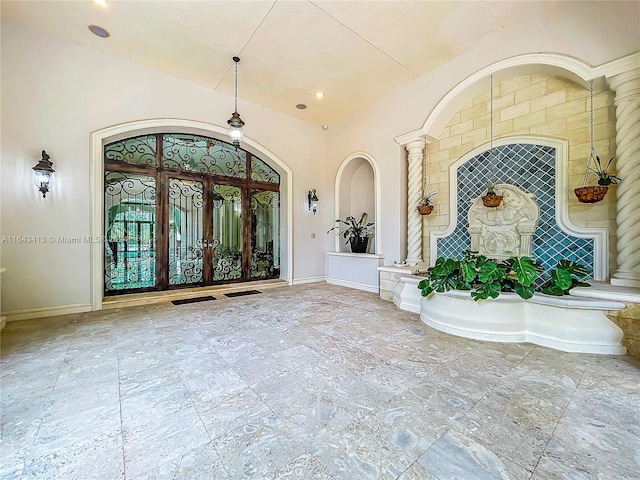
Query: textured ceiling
(353, 51)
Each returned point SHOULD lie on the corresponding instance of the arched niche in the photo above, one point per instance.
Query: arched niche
(545, 63)
(357, 190)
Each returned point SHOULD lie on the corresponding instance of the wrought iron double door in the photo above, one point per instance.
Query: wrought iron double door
(175, 230)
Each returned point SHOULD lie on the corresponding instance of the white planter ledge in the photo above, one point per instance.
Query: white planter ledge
(568, 323)
(565, 323)
(406, 295)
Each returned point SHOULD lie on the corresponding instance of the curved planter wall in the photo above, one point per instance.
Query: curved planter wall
(570, 324)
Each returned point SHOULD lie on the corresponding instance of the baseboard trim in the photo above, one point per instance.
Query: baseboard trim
(42, 312)
(356, 285)
(317, 278)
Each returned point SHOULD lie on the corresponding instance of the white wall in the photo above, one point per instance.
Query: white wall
(54, 93)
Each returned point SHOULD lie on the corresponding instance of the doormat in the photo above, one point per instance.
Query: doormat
(240, 294)
(192, 300)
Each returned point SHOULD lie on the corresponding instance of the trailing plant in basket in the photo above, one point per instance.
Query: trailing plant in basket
(487, 278)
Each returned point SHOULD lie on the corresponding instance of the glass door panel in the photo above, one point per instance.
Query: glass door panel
(265, 241)
(227, 233)
(185, 256)
(130, 231)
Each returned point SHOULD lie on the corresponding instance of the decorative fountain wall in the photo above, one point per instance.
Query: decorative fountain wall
(532, 168)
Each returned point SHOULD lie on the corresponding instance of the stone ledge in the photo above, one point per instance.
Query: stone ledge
(606, 291)
(397, 269)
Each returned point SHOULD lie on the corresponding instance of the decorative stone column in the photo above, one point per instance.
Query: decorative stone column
(414, 192)
(627, 101)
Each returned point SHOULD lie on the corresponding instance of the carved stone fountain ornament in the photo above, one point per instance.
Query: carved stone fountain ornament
(505, 231)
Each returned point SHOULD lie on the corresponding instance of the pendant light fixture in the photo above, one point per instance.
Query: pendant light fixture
(235, 122)
(491, 198)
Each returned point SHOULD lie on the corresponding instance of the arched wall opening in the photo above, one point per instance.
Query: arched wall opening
(117, 132)
(357, 190)
(535, 96)
(548, 64)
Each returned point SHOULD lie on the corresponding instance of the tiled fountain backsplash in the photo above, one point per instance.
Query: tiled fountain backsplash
(532, 168)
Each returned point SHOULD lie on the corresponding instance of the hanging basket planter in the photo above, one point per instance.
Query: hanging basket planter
(425, 209)
(491, 201)
(591, 193)
(595, 193)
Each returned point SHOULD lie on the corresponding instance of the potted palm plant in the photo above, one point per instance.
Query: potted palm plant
(357, 232)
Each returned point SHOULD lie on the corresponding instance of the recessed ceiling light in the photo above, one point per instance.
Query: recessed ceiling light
(325, 126)
(301, 106)
(102, 3)
(319, 94)
(99, 31)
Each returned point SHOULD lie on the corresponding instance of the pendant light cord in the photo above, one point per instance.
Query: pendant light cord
(236, 110)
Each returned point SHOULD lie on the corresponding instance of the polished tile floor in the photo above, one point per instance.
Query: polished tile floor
(306, 382)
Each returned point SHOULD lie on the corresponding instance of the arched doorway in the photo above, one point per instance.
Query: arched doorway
(98, 214)
(187, 210)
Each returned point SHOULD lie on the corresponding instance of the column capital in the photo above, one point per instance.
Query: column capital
(625, 85)
(418, 145)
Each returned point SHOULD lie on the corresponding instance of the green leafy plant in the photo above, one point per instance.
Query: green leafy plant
(354, 228)
(491, 190)
(426, 199)
(487, 278)
(564, 277)
(604, 177)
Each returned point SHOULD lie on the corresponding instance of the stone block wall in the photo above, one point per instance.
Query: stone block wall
(529, 105)
(628, 320)
(390, 279)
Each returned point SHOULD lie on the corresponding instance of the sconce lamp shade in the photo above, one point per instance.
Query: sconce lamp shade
(43, 174)
(313, 200)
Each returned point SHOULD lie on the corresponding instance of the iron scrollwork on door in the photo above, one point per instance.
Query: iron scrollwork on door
(185, 232)
(130, 243)
(194, 153)
(227, 233)
(265, 219)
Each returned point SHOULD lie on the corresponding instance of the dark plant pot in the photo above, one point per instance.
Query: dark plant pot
(359, 244)
(605, 182)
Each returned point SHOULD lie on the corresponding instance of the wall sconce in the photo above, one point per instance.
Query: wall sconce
(313, 200)
(43, 174)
